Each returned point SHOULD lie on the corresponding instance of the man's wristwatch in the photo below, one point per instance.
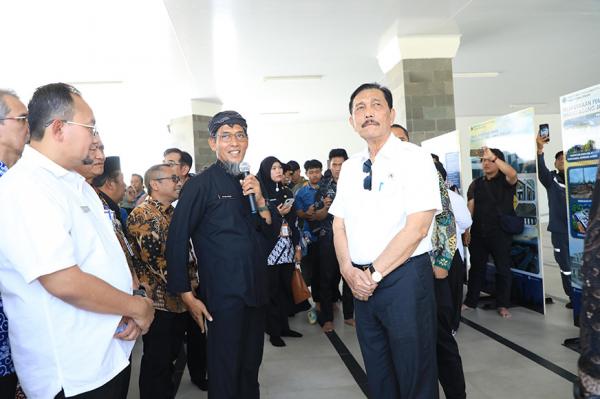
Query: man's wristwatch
(140, 292)
(375, 275)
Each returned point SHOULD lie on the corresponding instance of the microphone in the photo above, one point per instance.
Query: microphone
(245, 170)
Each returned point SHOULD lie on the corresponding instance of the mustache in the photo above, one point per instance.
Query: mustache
(87, 161)
(370, 122)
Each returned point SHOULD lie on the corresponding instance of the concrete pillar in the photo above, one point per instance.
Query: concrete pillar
(420, 78)
(190, 132)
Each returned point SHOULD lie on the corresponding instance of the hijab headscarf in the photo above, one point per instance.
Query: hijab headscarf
(276, 193)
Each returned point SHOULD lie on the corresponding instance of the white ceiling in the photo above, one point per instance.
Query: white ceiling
(142, 61)
(541, 48)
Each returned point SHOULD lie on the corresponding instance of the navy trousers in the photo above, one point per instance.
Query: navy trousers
(235, 341)
(560, 242)
(397, 332)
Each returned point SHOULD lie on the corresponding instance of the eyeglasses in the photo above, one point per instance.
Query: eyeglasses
(92, 128)
(22, 119)
(239, 136)
(173, 178)
(172, 163)
(369, 177)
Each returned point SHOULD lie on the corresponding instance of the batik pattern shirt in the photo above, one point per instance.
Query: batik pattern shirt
(148, 226)
(444, 232)
(6, 364)
(589, 319)
(118, 228)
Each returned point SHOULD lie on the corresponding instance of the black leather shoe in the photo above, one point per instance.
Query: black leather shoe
(291, 333)
(277, 341)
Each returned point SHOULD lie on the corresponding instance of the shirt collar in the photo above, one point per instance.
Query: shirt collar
(166, 209)
(385, 152)
(3, 168)
(39, 159)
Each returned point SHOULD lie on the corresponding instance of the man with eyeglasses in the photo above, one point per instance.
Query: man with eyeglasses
(65, 283)
(180, 162)
(148, 225)
(387, 196)
(231, 244)
(14, 131)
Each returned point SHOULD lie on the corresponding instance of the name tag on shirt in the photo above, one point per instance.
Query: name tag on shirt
(225, 196)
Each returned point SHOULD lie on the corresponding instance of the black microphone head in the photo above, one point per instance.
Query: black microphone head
(245, 168)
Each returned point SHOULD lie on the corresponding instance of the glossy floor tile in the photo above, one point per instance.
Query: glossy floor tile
(310, 367)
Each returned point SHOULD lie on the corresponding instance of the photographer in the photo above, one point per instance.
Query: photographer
(330, 270)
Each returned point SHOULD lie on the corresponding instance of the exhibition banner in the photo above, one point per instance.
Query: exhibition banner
(446, 147)
(514, 134)
(580, 115)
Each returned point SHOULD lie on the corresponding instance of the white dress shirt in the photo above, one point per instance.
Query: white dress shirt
(51, 220)
(462, 217)
(404, 181)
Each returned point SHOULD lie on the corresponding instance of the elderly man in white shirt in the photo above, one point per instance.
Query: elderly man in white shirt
(64, 279)
(387, 197)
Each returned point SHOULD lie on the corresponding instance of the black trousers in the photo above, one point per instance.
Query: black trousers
(162, 344)
(195, 350)
(8, 386)
(280, 298)
(456, 281)
(310, 270)
(112, 389)
(235, 349)
(560, 242)
(330, 280)
(496, 243)
(396, 331)
(449, 363)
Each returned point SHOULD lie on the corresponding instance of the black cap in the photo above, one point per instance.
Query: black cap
(226, 118)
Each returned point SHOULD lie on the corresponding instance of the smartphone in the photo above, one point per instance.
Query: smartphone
(288, 202)
(544, 131)
(477, 152)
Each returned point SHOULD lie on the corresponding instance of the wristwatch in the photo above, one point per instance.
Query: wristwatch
(141, 293)
(375, 275)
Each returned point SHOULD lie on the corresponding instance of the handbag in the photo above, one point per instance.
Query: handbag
(509, 223)
(300, 291)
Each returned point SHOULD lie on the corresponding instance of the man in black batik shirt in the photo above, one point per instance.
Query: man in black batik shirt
(231, 244)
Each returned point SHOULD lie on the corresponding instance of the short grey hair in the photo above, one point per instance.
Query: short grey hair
(4, 110)
(152, 173)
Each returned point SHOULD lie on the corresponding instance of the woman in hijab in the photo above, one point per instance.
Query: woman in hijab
(280, 263)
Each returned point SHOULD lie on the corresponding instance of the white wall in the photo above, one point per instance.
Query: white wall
(299, 141)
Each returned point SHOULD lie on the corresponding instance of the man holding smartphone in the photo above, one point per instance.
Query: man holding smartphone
(554, 182)
(330, 269)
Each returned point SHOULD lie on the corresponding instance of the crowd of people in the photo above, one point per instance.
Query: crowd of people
(89, 264)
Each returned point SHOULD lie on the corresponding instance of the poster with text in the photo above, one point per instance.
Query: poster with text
(514, 135)
(580, 115)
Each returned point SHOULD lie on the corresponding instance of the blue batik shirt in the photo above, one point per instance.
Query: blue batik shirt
(6, 364)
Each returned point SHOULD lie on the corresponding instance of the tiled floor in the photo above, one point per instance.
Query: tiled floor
(310, 367)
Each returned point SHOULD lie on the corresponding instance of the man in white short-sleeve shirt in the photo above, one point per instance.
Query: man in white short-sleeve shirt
(386, 200)
(65, 283)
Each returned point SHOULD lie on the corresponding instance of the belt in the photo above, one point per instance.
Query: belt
(365, 267)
